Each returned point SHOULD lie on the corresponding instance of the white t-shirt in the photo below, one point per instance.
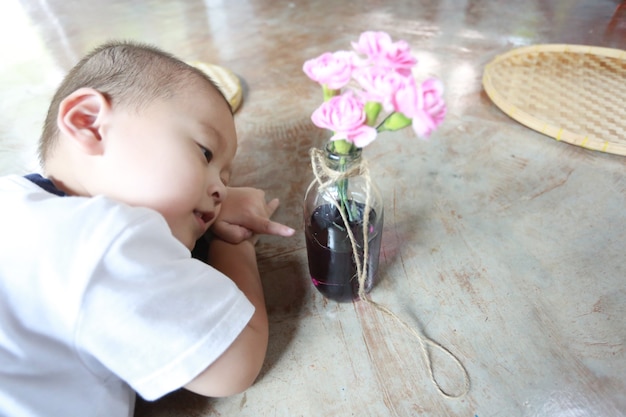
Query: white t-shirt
(97, 300)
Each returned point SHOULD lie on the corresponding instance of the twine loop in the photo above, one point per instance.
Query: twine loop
(325, 176)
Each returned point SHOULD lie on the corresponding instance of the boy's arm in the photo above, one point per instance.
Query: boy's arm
(238, 367)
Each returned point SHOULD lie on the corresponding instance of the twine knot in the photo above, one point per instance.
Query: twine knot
(326, 176)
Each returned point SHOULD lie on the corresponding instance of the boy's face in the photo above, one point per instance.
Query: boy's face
(174, 156)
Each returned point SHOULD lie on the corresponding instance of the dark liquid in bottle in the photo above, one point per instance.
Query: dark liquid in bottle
(331, 263)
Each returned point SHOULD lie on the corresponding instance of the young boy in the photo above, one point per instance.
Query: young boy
(99, 295)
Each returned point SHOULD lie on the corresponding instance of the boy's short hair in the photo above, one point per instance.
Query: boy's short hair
(129, 74)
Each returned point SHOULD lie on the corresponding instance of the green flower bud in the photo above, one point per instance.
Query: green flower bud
(396, 121)
(372, 110)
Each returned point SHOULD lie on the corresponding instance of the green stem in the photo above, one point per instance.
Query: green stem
(342, 184)
(343, 147)
(381, 127)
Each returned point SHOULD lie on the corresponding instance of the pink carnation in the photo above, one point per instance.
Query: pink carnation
(383, 52)
(331, 69)
(345, 116)
(379, 85)
(423, 104)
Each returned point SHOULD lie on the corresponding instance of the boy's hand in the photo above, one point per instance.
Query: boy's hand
(244, 213)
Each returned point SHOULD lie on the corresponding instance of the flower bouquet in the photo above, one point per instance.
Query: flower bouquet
(366, 91)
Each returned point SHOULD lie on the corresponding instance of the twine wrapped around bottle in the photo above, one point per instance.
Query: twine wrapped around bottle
(325, 177)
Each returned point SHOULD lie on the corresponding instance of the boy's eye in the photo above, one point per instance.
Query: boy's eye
(207, 153)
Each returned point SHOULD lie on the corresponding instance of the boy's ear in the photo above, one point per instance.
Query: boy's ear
(80, 117)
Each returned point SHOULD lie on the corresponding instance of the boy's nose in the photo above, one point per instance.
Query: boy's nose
(218, 192)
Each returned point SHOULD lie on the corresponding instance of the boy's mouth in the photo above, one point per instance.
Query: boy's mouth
(204, 217)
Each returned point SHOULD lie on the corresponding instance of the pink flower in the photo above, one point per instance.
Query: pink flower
(382, 71)
(385, 53)
(406, 99)
(424, 104)
(379, 85)
(345, 116)
(331, 69)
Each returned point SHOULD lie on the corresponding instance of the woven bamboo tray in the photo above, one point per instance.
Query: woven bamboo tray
(225, 79)
(573, 93)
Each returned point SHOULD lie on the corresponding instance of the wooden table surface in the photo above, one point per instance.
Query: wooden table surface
(504, 245)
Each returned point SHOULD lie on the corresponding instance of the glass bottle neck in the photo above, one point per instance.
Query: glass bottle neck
(340, 161)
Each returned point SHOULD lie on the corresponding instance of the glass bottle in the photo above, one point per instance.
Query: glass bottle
(330, 250)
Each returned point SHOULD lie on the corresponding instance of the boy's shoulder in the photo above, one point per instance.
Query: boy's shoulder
(22, 190)
(13, 182)
(30, 210)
